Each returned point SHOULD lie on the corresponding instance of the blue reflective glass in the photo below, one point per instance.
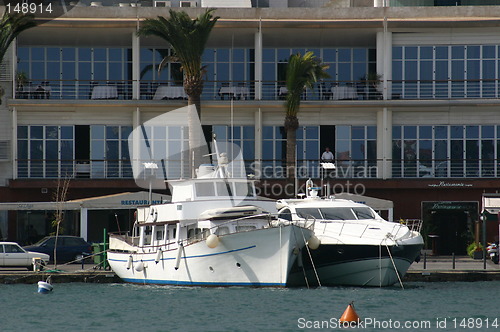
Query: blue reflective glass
(300, 133)
(473, 52)
(54, 69)
(425, 132)
(267, 132)
(222, 55)
(84, 71)
(283, 54)
(208, 55)
(112, 132)
(66, 132)
(343, 132)
(396, 132)
(238, 72)
(441, 52)
(38, 72)
(344, 72)
(397, 52)
(51, 132)
(146, 55)
(473, 69)
(344, 55)
(68, 71)
(360, 55)
(99, 54)
(269, 72)
(36, 132)
(23, 53)
(426, 70)
(441, 70)
(68, 54)
(312, 150)
(312, 132)
(489, 69)
(222, 71)
(457, 70)
(115, 54)
(248, 132)
(22, 132)
(457, 131)
(441, 132)
(280, 133)
(472, 132)
(397, 70)
(411, 70)
(267, 150)
(100, 71)
(268, 55)
(126, 131)
(97, 132)
(487, 131)
(357, 132)
(329, 55)
(84, 54)
(371, 132)
(37, 54)
(115, 71)
(53, 54)
(238, 55)
(489, 52)
(22, 149)
(457, 52)
(358, 150)
(426, 52)
(410, 132)
(411, 52)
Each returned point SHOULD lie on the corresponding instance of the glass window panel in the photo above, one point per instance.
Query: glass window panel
(344, 55)
(343, 150)
(426, 52)
(269, 71)
(208, 55)
(344, 72)
(358, 132)
(68, 71)
(84, 54)
(268, 55)
(222, 71)
(238, 55)
(329, 55)
(358, 150)
(457, 52)
(312, 132)
(280, 133)
(280, 150)
(84, 71)
(52, 150)
(38, 72)
(343, 132)
(112, 150)
(371, 132)
(115, 54)
(66, 132)
(473, 52)
(248, 132)
(426, 70)
(487, 131)
(222, 55)
(283, 54)
(267, 132)
(36, 150)
(441, 70)
(457, 70)
(22, 149)
(473, 71)
(68, 54)
(425, 150)
(97, 150)
(22, 131)
(51, 132)
(359, 55)
(53, 54)
(249, 150)
(37, 54)
(100, 71)
(174, 132)
(174, 150)
(488, 52)
(397, 52)
(441, 132)
(441, 150)
(312, 150)
(238, 72)
(159, 133)
(300, 51)
(267, 150)
(115, 71)
(97, 132)
(411, 52)
(425, 132)
(54, 70)
(410, 132)
(411, 70)
(125, 131)
(489, 69)
(99, 54)
(23, 53)
(472, 132)
(441, 52)
(112, 132)
(36, 132)
(397, 70)
(457, 131)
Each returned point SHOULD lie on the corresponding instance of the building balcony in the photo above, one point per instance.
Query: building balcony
(327, 91)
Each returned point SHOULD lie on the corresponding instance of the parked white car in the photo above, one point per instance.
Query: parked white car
(12, 255)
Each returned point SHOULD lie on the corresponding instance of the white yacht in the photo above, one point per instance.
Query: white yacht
(202, 238)
(358, 247)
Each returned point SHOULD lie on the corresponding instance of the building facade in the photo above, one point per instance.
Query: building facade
(410, 109)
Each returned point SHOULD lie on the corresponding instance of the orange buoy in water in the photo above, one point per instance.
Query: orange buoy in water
(349, 316)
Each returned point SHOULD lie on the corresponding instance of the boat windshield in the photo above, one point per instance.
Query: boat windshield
(336, 213)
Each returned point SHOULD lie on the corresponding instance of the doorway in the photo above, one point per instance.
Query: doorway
(448, 227)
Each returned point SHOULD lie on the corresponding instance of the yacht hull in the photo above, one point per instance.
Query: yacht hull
(258, 258)
(355, 265)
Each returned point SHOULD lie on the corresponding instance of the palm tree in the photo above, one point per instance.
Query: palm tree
(11, 25)
(301, 72)
(188, 39)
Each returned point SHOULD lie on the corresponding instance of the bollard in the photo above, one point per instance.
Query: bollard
(453, 259)
(425, 260)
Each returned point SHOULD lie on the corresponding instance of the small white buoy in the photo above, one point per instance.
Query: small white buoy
(158, 256)
(129, 262)
(313, 242)
(212, 241)
(139, 267)
(44, 287)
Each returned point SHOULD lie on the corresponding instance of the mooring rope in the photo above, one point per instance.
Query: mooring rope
(310, 257)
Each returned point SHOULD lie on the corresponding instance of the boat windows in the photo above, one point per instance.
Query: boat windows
(364, 213)
(285, 214)
(243, 189)
(204, 189)
(245, 228)
(147, 235)
(338, 213)
(159, 233)
(222, 230)
(223, 189)
(308, 213)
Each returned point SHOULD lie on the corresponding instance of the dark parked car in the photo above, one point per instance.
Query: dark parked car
(69, 248)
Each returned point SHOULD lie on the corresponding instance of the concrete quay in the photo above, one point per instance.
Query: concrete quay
(442, 268)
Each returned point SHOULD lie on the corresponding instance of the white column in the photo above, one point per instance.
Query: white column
(13, 153)
(84, 223)
(384, 61)
(258, 64)
(258, 142)
(136, 66)
(384, 143)
(135, 155)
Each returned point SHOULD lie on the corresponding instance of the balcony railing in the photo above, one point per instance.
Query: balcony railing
(330, 91)
(264, 169)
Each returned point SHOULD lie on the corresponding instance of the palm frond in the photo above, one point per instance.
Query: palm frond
(11, 25)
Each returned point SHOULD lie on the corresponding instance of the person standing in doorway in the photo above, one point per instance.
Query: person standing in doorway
(327, 156)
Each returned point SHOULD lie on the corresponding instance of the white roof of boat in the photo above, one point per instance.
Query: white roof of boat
(344, 199)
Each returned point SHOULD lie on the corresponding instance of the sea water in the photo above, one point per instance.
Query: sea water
(446, 306)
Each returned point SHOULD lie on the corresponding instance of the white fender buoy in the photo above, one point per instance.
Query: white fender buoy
(44, 287)
(158, 256)
(179, 254)
(129, 262)
(212, 241)
(139, 267)
(313, 242)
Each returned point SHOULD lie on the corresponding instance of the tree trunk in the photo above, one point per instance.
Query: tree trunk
(291, 125)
